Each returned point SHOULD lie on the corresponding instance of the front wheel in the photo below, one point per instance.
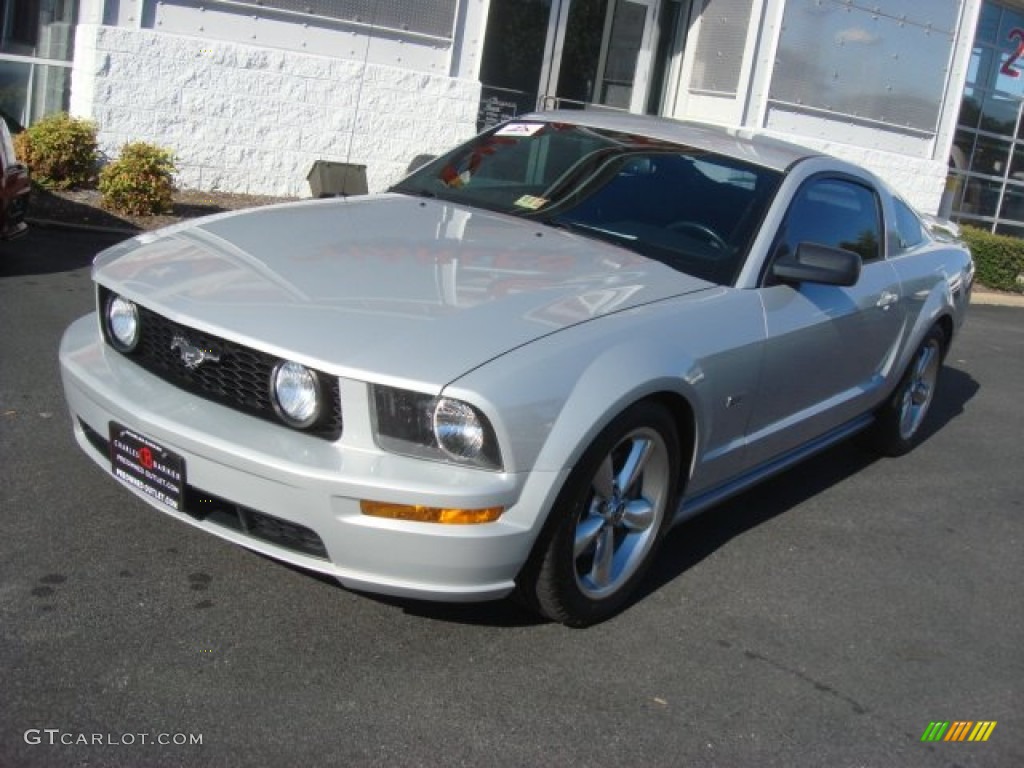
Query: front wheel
(608, 521)
(898, 428)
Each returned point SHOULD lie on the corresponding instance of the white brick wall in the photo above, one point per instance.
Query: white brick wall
(247, 119)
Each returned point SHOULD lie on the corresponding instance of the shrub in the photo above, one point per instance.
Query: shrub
(60, 151)
(140, 182)
(998, 259)
(21, 148)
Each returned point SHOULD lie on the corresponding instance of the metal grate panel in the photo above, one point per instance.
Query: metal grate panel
(426, 17)
(720, 46)
(839, 57)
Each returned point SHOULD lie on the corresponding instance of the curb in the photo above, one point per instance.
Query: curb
(52, 224)
(993, 299)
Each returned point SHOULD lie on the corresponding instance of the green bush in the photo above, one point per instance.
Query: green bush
(998, 259)
(60, 151)
(140, 182)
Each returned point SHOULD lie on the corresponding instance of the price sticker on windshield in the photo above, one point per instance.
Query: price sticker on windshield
(519, 129)
(531, 202)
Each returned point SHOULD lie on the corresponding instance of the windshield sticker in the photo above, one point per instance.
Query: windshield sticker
(531, 202)
(519, 129)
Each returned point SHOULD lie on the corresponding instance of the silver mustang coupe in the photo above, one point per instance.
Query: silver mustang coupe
(515, 370)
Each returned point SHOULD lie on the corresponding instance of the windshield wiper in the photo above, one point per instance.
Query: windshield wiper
(398, 189)
(579, 226)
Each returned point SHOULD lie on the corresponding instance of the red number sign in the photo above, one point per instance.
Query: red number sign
(1007, 69)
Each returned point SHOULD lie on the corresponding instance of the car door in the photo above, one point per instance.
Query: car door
(828, 348)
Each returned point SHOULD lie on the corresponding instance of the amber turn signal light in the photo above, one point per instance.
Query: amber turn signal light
(421, 514)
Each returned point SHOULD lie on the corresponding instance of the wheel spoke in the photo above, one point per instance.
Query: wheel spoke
(638, 515)
(907, 412)
(587, 533)
(921, 393)
(923, 361)
(604, 479)
(639, 452)
(604, 557)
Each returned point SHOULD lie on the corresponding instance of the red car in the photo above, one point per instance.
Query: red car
(14, 188)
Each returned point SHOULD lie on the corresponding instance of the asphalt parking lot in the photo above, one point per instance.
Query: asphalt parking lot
(823, 619)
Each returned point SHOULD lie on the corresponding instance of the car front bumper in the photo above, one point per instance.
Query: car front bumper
(296, 497)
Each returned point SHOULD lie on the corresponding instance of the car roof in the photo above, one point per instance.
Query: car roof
(738, 143)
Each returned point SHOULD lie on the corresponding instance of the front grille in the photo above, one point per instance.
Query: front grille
(259, 525)
(240, 378)
(204, 506)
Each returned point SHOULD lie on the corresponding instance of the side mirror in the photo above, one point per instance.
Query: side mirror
(813, 263)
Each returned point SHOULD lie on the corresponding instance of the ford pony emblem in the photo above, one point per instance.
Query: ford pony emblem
(191, 355)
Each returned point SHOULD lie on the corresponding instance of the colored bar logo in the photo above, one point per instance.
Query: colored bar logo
(958, 730)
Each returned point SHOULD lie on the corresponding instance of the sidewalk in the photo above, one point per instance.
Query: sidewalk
(984, 296)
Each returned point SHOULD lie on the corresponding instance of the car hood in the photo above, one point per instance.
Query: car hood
(387, 288)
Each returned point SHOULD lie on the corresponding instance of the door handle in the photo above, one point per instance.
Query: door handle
(887, 299)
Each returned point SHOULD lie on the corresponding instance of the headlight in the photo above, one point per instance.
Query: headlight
(122, 323)
(458, 429)
(296, 392)
(437, 428)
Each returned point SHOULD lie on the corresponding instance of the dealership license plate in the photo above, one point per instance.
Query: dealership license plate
(147, 466)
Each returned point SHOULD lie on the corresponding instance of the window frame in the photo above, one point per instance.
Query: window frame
(828, 176)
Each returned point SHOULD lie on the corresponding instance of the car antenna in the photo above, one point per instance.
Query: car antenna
(362, 80)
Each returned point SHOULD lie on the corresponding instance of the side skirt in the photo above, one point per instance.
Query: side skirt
(690, 506)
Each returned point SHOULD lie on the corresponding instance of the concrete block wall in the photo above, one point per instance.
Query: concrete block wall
(921, 182)
(254, 120)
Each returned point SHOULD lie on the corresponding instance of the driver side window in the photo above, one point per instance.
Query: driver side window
(838, 213)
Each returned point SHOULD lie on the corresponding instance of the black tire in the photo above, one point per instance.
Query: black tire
(600, 538)
(897, 428)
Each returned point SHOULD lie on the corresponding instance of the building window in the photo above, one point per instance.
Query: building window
(837, 57)
(988, 148)
(41, 29)
(36, 48)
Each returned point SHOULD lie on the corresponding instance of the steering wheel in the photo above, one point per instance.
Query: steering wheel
(709, 235)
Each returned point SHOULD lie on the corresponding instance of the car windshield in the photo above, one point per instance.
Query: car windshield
(694, 210)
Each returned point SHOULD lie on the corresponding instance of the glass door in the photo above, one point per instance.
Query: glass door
(574, 54)
(600, 54)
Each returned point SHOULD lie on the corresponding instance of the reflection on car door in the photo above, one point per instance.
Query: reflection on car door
(829, 349)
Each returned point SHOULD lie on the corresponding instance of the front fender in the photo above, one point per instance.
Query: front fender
(552, 397)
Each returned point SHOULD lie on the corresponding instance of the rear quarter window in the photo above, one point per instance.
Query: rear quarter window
(908, 225)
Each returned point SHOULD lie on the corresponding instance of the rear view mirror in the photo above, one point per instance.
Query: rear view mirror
(814, 263)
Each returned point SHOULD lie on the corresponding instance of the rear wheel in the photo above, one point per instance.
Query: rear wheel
(898, 428)
(609, 520)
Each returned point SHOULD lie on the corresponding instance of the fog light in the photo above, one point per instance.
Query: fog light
(122, 323)
(421, 514)
(296, 393)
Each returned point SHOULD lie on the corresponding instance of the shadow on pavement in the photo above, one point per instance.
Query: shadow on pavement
(694, 540)
(45, 251)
